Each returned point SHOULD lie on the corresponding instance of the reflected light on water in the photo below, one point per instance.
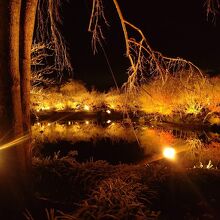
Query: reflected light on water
(108, 111)
(155, 143)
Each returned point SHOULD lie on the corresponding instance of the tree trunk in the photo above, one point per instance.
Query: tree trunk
(27, 23)
(15, 99)
(29, 8)
(13, 166)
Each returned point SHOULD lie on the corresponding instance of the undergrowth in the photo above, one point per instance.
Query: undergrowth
(182, 95)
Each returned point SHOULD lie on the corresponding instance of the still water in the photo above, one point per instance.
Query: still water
(124, 142)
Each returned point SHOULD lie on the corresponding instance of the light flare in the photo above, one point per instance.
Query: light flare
(108, 111)
(169, 153)
(14, 142)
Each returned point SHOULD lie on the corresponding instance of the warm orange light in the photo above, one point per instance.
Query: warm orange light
(86, 107)
(169, 153)
(14, 142)
(108, 111)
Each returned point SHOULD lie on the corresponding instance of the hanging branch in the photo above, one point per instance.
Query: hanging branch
(212, 8)
(40, 70)
(144, 61)
(48, 34)
(96, 17)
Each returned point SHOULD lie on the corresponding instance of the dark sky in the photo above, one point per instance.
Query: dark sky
(177, 28)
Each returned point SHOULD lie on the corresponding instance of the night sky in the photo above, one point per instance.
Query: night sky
(177, 28)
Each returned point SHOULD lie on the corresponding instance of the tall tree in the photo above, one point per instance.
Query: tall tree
(16, 25)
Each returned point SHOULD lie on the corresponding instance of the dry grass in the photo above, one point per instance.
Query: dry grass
(102, 191)
(74, 96)
(181, 94)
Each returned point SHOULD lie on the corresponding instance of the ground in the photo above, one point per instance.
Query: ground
(97, 190)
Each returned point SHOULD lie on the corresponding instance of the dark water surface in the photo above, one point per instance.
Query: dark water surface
(123, 142)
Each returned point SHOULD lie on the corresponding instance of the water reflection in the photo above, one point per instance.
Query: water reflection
(118, 141)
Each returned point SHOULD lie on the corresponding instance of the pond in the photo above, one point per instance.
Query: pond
(124, 141)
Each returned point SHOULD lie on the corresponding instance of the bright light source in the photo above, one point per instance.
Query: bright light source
(69, 122)
(108, 122)
(87, 122)
(86, 107)
(49, 124)
(169, 153)
(46, 108)
(108, 111)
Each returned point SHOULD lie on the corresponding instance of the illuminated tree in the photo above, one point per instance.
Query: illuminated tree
(145, 62)
(17, 27)
(16, 32)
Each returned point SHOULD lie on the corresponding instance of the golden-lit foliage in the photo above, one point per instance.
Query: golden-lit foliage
(156, 84)
(182, 94)
(74, 96)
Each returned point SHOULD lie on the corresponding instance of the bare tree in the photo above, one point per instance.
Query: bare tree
(144, 61)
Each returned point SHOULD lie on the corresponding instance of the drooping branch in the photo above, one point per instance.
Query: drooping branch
(145, 61)
(212, 8)
(97, 16)
(41, 70)
(48, 33)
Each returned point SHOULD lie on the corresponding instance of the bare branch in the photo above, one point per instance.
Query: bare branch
(48, 33)
(212, 8)
(145, 61)
(97, 15)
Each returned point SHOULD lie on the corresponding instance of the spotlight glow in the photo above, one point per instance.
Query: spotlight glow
(169, 153)
(108, 111)
(86, 107)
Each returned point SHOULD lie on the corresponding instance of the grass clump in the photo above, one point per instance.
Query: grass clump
(183, 93)
(97, 190)
(184, 96)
